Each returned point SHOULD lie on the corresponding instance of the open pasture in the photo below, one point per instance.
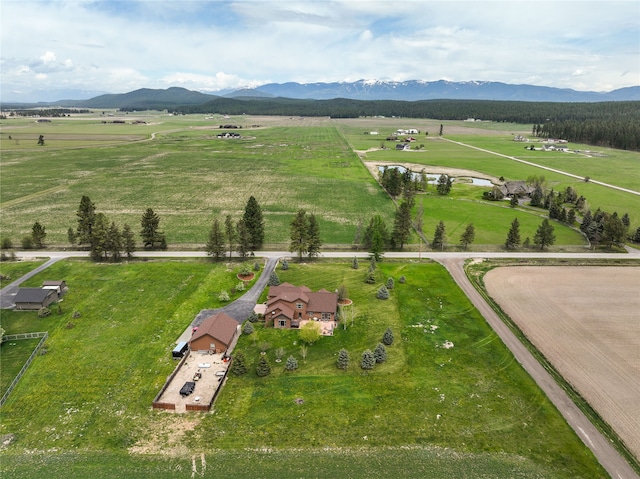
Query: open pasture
(449, 398)
(585, 321)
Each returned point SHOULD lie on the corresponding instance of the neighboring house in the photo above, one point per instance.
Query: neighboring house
(32, 299)
(403, 146)
(58, 286)
(216, 334)
(289, 306)
(516, 188)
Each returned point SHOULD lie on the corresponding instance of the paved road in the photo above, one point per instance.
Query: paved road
(8, 293)
(610, 459)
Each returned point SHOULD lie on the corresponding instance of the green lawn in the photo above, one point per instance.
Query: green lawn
(469, 410)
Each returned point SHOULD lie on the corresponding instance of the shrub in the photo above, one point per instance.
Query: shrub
(245, 270)
(273, 279)
(383, 292)
(343, 359)
(264, 346)
(44, 312)
(239, 364)
(370, 278)
(6, 243)
(342, 292)
(354, 263)
(240, 286)
(402, 279)
(256, 266)
(248, 328)
(70, 325)
(279, 353)
(390, 283)
(76, 314)
(380, 353)
(368, 360)
(253, 317)
(310, 332)
(291, 364)
(285, 265)
(223, 296)
(27, 242)
(387, 337)
(263, 368)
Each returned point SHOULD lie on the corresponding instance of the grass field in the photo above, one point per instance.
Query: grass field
(178, 167)
(468, 410)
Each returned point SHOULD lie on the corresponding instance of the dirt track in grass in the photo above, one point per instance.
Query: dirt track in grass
(586, 321)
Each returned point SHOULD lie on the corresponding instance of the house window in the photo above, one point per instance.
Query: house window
(212, 346)
(326, 316)
(298, 305)
(283, 323)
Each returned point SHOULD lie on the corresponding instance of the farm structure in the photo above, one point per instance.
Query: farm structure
(216, 334)
(292, 306)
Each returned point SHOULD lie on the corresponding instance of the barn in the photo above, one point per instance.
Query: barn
(216, 334)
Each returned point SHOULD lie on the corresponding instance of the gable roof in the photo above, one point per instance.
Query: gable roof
(322, 301)
(220, 326)
(32, 295)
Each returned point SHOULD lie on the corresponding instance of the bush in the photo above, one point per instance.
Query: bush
(76, 314)
(70, 325)
(245, 270)
(342, 292)
(291, 364)
(310, 332)
(224, 296)
(263, 368)
(248, 328)
(354, 263)
(387, 337)
(240, 286)
(273, 279)
(6, 243)
(380, 353)
(239, 364)
(343, 359)
(27, 242)
(253, 317)
(285, 265)
(402, 279)
(256, 266)
(390, 283)
(383, 292)
(44, 312)
(370, 278)
(368, 360)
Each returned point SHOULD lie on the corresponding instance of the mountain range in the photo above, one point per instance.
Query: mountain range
(359, 90)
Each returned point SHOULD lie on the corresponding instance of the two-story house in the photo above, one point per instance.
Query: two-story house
(290, 306)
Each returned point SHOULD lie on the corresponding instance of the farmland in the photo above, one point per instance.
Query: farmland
(99, 376)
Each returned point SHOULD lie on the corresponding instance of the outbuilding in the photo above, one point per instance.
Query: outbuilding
(32, 299)
(216, 334)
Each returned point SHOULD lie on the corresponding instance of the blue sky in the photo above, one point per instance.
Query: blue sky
(121, 45)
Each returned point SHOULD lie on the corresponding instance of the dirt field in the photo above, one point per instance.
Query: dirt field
(586, 321)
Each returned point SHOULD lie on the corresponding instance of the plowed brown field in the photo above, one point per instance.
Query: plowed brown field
(586, 322)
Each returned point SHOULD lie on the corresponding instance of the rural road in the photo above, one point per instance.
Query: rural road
(609, 458)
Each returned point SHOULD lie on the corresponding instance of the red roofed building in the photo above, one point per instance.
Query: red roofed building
(216, 334)
(289, 306)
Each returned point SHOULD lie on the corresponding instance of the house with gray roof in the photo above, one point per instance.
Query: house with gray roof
(32, 299)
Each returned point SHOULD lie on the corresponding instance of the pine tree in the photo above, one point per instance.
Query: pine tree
(571, 217)
(263, 368)
(230, 233)
(99, 237)
(86, 217)
(71, 236)
(376, 237)
(513, 236)
(152, 238)
(248, 328)
(114, 242)
(314, 242)
(285, 265)
(291, 364)
(402, 224)
(215, 244)
(544, 235)
(636, 236)
(274, 280)
(380, 353)
(38, 234)
(243, 247)
(387, 337)
(128, 241)
(239, 364)
(439, 236)
(514, 201)
(354, 263)
(390, 283)
(536, 197)
(383, 292)
(299, 234)
(368, 360)
(468, 236)
(343, 359)
(254, 223)
(443, 187)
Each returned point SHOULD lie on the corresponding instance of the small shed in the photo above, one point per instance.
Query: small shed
(58, 286)
(32, 299)
(216, 334)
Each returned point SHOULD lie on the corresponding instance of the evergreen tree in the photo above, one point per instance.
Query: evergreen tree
(273, 279)
(291, 364)
(99, 240)
(285, 265)
(243, 247)
(514, 201)
(390, 283)
(513, 236)
(239, 364)
(380, 353)
(468, 236)
(443, 187)
(230, 233)
(299, 234)
(71, 236)
(544, 235)
(418, 222)
(215, 244)
(368, 360)
(86, 217)
(114, 242)
(383, 292)
(152, 237)
(263, 367)
(376, 237)
(128, 241)
(636, 236)
(314, 242)
(402, 224)
(255, 223)
(354, 263)
(387, 337)
(571, 217)
(537, 197)
(248, 328)
(439, 236)
(343, 359)
(626, 221)
(614, 231)
(38, 234)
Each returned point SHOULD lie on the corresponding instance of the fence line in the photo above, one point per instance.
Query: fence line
(11, 337)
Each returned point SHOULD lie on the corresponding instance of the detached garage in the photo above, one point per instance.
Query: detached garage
(215, 334)
(32, 299)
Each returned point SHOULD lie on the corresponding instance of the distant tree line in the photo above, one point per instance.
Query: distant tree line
(49, 112)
